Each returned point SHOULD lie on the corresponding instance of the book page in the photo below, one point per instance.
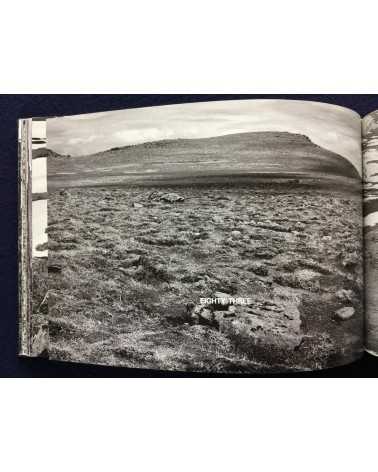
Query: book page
(370, 174)
(206, 237)
(33, 240)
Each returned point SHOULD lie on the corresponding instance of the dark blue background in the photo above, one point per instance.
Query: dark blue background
(13, 107)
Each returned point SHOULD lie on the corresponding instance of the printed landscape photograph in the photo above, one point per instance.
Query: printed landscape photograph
(370, 157)
(215, 237)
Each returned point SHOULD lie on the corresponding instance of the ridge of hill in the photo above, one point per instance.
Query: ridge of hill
(279, 153)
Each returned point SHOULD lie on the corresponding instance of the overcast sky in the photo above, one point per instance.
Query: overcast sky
(332, 127)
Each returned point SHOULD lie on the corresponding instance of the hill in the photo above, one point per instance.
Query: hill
(278, 154)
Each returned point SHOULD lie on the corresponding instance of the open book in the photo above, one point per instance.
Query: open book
(220, 236)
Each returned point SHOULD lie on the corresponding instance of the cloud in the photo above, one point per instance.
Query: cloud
(82, 140)
(136, 136)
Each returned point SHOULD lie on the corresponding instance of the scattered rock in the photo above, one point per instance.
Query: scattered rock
(236, 234)
(345, 313)
(137, 205)
(276, 321)
(299, 226)
(200, 314)
(211, 315)
(351, 260)
(259, 269)
(166, 197)
(217, 219)
(206, 316)
(344, 295)
(231, 242)
(231, 309)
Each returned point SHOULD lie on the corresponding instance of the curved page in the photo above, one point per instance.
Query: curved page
(370, 161)
(212, 237)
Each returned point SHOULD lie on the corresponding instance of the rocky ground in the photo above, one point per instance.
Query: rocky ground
(371, 277)
(128, 267)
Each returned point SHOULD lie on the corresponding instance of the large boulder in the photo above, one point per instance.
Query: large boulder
(274, 322)
(170, 197)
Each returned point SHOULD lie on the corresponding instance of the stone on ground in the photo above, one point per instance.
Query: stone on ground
(345, 313)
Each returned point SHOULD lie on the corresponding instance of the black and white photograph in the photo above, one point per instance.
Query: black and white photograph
(370, 159)
(33, 260)
(206, 237)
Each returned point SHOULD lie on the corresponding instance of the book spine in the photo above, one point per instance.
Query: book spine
(25, 235)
